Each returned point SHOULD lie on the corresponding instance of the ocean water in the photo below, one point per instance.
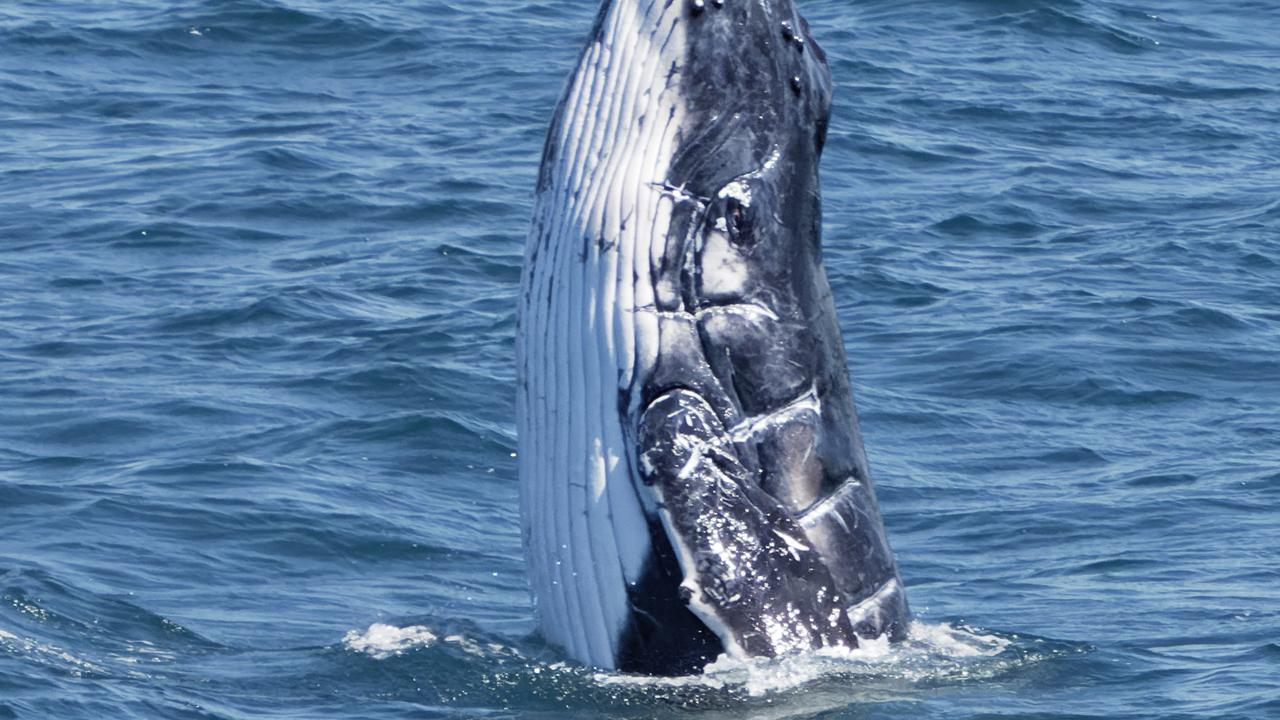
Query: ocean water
(258, 267)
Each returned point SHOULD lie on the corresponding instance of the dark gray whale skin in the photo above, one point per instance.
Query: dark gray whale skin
(746, 428)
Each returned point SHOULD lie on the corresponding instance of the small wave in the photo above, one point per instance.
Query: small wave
(49, 655)
(1162, 480)
(965, 225)
(272, 27)
(1182, 89)
(1076, 23)
(1206, 318)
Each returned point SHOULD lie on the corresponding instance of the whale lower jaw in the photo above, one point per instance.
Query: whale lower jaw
(583, 338)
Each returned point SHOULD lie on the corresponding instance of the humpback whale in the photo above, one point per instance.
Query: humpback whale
(692, 476)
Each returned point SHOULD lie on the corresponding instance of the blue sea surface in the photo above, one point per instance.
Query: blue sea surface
(258, 273)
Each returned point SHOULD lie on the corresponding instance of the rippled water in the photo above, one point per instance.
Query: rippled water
(258, 266)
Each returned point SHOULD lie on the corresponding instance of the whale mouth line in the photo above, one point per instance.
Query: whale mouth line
(874, 601)
(745, 309)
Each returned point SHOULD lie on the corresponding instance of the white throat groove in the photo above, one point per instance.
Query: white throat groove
(581, 342)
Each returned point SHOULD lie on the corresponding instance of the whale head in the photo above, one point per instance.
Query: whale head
(692, 475)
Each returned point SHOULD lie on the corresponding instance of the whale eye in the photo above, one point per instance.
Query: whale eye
(737, 219)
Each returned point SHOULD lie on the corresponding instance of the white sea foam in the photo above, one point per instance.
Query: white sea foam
(957, 642)
(930, 650)
(382, 641)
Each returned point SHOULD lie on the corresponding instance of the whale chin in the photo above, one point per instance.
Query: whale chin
(693, 481)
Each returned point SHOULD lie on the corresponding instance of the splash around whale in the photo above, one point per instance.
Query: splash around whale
(693, 480)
